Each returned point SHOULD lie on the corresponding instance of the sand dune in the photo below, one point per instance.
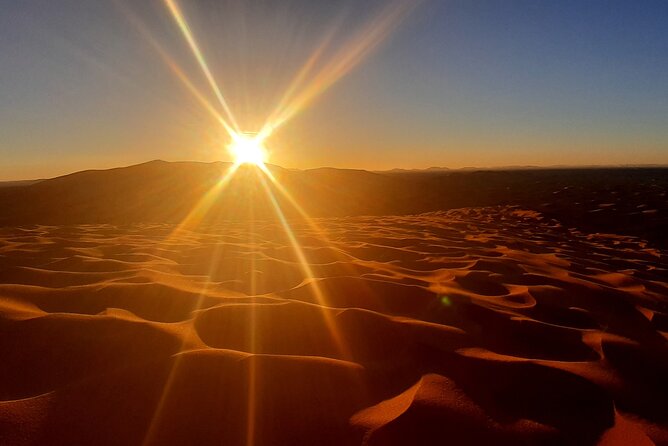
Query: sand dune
(630, 201)
(472, 326)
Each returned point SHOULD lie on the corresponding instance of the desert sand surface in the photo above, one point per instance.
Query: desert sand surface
(488, 325)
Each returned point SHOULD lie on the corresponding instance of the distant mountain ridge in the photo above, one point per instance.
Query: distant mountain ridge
(166, 192)
(630, 200)
(436, 169)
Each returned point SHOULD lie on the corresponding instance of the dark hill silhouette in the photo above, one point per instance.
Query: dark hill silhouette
(164, 192)
(616, 200)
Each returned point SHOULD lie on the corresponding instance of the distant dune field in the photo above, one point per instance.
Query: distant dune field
(491, 325)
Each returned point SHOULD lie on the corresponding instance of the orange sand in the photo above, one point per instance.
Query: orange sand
(474, 326)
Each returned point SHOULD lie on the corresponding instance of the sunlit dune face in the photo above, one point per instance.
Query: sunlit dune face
(248, 149)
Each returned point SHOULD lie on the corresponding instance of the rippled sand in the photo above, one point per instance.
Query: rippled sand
(473, 326)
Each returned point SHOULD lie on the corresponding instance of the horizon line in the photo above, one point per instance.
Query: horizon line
(389, 170)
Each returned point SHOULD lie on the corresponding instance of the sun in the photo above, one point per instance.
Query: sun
(248, 148)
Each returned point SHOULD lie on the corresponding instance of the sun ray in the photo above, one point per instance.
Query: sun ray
(202, 207)
(319, 232)
(174, 67)
(301, 92)
(308, 273)
(300, 78)
(154, 424)
(351, 55)
(180, 20)
(252, 329)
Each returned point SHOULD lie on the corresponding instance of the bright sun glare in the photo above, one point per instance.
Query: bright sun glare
(248, 149)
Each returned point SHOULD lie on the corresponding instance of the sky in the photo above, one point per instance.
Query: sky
(411, 84)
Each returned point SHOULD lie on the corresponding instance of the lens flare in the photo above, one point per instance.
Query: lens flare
(316, 75)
